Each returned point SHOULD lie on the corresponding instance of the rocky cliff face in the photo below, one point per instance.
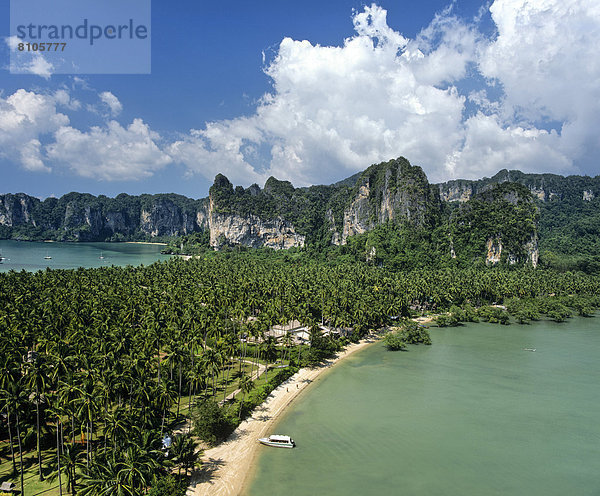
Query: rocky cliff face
(81, 217)
(229, 224)
(544, 187)
(251, 231)
(456, 191)
(494, 252)
(393, 191)
(164, 218)
(501, 221)
(16, 210)
(281, 216)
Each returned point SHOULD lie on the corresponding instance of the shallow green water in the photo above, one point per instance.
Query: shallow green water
(474, 414)
(21, 255)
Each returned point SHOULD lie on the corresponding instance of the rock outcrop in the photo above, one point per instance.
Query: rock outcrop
(494, 250)
(83, 217)
(251, 231)
(393, 191)
(504, 218)
(17, 210)
(281, 216)
(544, 187)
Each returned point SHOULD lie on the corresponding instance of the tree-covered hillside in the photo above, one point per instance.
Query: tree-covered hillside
(84, 217)
(388, 214)
(569, 214)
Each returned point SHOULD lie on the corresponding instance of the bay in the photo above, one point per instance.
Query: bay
(472, 414)
(30, 256)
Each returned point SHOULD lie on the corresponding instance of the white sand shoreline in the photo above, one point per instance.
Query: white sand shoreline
(226, 469)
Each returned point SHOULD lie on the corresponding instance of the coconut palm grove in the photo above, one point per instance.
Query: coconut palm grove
(114, 379)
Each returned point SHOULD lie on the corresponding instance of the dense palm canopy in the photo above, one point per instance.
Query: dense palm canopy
(112, 351)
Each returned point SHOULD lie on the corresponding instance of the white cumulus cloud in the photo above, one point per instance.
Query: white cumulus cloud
(112, 102)
(111, 152)
(27, 62)
(38, 137)
(336, 109)
(24, 117)
(545, 58)
(453, 100)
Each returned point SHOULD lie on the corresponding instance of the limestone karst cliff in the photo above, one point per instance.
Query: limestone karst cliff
(543, 187)
(462, 219)
(501, 221)
(84, 217)
(393, 191)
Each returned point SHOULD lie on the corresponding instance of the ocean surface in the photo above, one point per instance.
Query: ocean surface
(474, 414)
(19, 255)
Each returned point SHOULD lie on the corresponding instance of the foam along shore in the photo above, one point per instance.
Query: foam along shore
(226, 467)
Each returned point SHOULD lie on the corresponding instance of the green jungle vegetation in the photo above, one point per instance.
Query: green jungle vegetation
(505, 212)
(78, 216)
(568, 225)
(410, 332)
(99, 364)
(511, 207)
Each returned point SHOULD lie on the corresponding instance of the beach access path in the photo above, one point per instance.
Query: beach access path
(226, 467)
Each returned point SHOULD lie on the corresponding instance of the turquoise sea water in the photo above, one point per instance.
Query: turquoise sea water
(472, 415)
(19, 255)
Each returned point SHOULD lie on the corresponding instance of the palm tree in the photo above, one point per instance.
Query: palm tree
(67, 398)
(10, 402)
(270, 353)
(229, 349)
(70, 459)
(212, 360)
(36, 378)
(175, 358)
(106, 477)
(58, 444)
(164, 397)
(116, 426)
(86, 412)
(184, 452)
(13, 400)
(246, 385)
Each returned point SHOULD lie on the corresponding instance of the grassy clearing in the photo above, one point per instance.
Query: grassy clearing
(223, 387)
(32, 484)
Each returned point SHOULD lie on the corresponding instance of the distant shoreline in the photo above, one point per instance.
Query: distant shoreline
(75, 242)
(143, 243)
(228, 467)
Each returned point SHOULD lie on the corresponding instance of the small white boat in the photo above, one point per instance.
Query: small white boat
(101, 257)
(278, 441)
(528, 349)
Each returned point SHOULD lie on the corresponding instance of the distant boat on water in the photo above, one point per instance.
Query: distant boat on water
(101, 257)
(47, 257)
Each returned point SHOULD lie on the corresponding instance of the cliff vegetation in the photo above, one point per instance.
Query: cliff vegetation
(387, 215)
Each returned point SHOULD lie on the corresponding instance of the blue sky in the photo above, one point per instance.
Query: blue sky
(313, 92)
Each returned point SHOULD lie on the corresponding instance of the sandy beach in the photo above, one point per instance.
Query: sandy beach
(226, 468)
